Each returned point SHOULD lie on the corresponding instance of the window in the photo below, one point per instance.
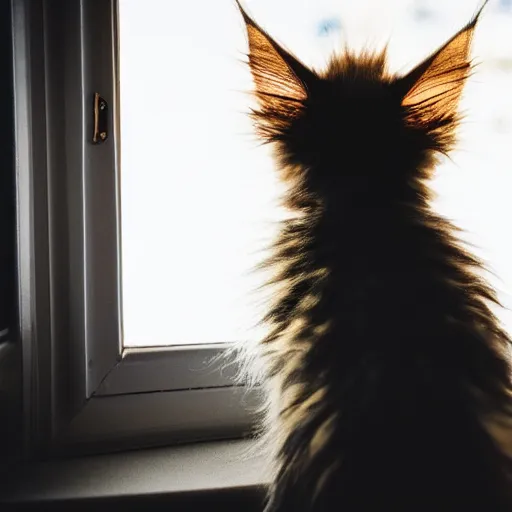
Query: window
(135, 252)
(196, 194)
(89, 388)
(193, 181)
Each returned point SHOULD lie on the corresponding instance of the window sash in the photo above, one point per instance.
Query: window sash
(80, 386)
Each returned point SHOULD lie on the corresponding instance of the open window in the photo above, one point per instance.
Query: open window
(136, 249)
(139, 221)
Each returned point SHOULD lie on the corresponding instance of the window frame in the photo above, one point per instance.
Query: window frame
(82, 390)
(7, 204)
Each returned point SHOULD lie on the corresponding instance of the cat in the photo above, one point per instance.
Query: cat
(389, 377)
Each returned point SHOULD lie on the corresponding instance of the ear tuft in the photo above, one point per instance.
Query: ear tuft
(280, 79)
(434, 88)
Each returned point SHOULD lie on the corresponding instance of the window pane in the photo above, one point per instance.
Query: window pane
(198, 193)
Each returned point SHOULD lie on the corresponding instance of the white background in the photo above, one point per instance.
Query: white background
(198, 193)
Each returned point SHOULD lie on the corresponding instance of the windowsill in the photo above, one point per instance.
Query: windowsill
(190, 471)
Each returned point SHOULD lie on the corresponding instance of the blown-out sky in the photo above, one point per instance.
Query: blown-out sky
(198, 193)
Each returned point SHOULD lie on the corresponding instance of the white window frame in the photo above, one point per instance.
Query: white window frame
(82, 391)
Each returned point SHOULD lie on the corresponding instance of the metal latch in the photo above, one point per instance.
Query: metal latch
(100, 110)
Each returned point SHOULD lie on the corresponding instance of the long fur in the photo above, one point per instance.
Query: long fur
(389, 377)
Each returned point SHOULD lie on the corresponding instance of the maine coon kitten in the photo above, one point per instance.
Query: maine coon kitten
(389, 375)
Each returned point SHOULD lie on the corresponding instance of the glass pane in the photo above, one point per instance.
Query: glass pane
(198, 192)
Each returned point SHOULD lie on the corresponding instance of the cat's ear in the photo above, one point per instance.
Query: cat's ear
(278, 75)
(436, 85)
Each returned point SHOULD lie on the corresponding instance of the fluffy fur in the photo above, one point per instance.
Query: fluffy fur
(390, 384)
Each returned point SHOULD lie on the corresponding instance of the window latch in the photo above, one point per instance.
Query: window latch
(100, 111)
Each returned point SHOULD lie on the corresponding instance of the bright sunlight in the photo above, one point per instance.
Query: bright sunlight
(198, 194)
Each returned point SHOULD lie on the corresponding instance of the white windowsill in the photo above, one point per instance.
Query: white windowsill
(209, 466)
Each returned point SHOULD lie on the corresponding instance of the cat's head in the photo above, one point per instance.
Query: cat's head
(354, 119)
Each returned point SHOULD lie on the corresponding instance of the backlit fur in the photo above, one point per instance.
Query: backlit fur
(388, 374)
